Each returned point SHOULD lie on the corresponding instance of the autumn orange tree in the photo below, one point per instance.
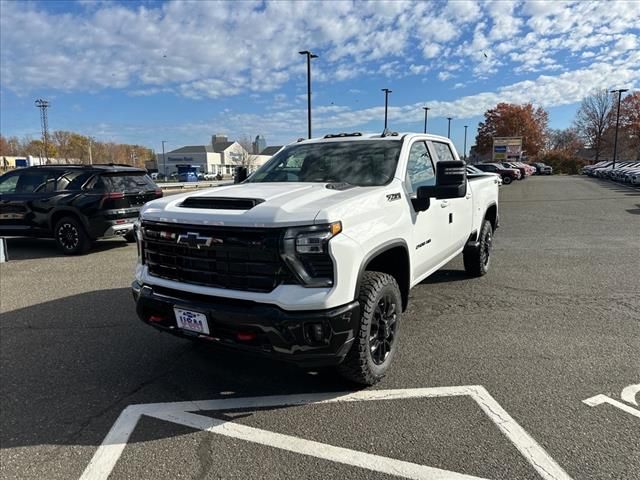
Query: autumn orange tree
(510, 120)
(630, 124)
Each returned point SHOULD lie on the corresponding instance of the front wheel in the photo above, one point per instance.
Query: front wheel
(376, 340)
(70, 236)
(506, 180)
(477, 259)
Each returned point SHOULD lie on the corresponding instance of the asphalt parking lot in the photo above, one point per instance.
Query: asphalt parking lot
(555, 322)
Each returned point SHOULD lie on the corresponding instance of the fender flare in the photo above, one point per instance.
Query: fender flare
(386, 246)
(70, 210)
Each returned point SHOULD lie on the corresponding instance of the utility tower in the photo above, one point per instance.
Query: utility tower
(43, 105)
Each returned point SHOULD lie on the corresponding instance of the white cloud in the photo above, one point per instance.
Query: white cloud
(250, 47)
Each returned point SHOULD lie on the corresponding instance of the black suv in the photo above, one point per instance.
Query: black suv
(74, 204)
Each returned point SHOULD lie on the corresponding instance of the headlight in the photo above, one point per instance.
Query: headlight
(306, 252)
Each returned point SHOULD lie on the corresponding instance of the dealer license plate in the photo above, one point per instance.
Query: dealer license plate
(192, 321)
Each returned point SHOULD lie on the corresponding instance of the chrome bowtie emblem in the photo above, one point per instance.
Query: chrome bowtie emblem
(195, 240)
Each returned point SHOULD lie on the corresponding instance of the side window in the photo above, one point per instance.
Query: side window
(419, 167)
(33, 181)
(8, 183)
(73, 180)
(443, 152)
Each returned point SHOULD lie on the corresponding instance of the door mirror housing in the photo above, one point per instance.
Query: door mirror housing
(451, 182)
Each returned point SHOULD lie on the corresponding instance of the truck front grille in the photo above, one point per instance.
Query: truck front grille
(222, 257)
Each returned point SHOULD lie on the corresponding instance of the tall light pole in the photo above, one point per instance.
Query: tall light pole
(620, 91)
(465, 142)
(309, 57)
(426, 113)
(164, 161)
(449, 127)
(44, 122)
(386, 104)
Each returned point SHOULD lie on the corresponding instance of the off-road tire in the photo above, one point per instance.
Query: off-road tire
(478, 259)
(359, 365)
(70, 236)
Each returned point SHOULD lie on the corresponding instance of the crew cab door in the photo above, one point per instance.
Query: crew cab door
(24, 201)
(458, 211)
(428, 241)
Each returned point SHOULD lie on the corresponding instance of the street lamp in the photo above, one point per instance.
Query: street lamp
(309, 57)
(426, 112)
(620, 91)
(465, 142)
(164, 161)
(386, 104)
(449, 127)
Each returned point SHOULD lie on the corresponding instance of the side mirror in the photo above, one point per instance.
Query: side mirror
(451, 182)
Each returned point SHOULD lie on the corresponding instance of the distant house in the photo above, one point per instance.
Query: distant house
(271, 151)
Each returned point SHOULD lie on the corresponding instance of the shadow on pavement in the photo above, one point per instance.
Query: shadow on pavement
(634, 211)
(445, 276)
(70, 366)
(25, 248)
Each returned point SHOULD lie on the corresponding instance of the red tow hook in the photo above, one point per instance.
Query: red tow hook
(156, 318)
(245, 336)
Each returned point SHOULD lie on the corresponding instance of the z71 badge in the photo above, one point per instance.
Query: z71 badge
(393, 196)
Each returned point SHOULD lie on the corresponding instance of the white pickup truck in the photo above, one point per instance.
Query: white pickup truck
(311, 259)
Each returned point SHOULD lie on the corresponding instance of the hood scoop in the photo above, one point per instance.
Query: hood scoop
(339, 186)
(221, 203)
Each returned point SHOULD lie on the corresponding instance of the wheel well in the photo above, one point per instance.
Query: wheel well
(60, 214)
(395, 262)
(492, 216)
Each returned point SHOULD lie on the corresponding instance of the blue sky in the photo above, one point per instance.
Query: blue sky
(142, 72)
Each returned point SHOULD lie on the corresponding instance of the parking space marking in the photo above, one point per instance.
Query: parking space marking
(628, 395)
(109, 451)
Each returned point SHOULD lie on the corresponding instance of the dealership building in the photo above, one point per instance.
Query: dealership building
(220, 156)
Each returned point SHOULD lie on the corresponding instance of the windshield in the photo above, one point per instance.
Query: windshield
(362, 163)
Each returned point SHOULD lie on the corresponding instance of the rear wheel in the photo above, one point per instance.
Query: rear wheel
(477, 259)
(70, 236)
(130, 237)
(376, 340)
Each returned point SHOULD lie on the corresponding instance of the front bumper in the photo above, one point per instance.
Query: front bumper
(308, 338)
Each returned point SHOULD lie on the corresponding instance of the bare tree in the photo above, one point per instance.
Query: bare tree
(246, 158)
(567, 140)
(593, 119)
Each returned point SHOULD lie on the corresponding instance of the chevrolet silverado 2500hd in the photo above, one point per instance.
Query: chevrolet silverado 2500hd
(311, 259)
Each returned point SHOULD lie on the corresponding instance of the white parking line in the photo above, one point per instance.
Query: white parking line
(108, 453)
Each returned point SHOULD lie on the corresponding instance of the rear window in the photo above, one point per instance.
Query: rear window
(124, 182)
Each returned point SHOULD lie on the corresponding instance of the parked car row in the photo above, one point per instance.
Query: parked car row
(623, 172)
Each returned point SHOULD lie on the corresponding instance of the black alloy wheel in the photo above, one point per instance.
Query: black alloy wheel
(70, 236)
(383, 329)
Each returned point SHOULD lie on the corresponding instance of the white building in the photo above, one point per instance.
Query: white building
(221, 156)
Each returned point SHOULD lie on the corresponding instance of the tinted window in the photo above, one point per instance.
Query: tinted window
(125, 182)
(419, 167)
(74, 180)
(363, 163)
(443, 152)
(8, 183)
(34, 181)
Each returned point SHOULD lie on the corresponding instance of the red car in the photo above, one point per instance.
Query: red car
(508, 174)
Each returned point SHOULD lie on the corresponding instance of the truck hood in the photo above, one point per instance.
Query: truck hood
(274, 204)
